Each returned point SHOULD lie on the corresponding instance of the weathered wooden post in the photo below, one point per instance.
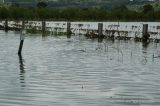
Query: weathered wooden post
(43, 26)
(100, 32)
(21, 42)
(145, 33)
(6, 25)
(20, 46)
(23, 24)
(100, 29)
(68, 30)
(21, 38)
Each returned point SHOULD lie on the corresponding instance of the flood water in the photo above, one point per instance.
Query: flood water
(56, 71)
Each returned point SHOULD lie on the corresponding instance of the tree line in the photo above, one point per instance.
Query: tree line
(119, 13)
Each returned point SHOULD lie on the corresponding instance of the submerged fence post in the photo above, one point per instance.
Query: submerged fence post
(43, 26)
(21, 39)
(6, 25)
(23, 24)
(145, 33)
(69, 29)
(21, 43)
(100, 29)
(100, 32)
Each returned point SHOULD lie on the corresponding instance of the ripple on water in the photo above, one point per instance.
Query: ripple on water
(75, 72)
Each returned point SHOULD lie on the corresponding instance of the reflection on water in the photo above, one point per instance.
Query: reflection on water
(57, 71)
(68, 35)
(144, 51)
(22, 70)
(145, 44)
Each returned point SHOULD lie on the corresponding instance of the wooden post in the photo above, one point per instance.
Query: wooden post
(69, 29)
(100, 29)
(145, 33)
(6, 25)
(23, 24)
(21, 43)
(21, 38)
(43, 26)
(145, 29)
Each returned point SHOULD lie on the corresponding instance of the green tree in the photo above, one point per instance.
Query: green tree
(41, 4)
(4, 13)
(16, 13)
(29, 14)
(148, 8)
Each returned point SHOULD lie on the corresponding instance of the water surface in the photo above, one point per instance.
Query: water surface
(56, 71)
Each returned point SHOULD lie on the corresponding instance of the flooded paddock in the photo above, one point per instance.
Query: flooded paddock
(56, 71)
(118, 29)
